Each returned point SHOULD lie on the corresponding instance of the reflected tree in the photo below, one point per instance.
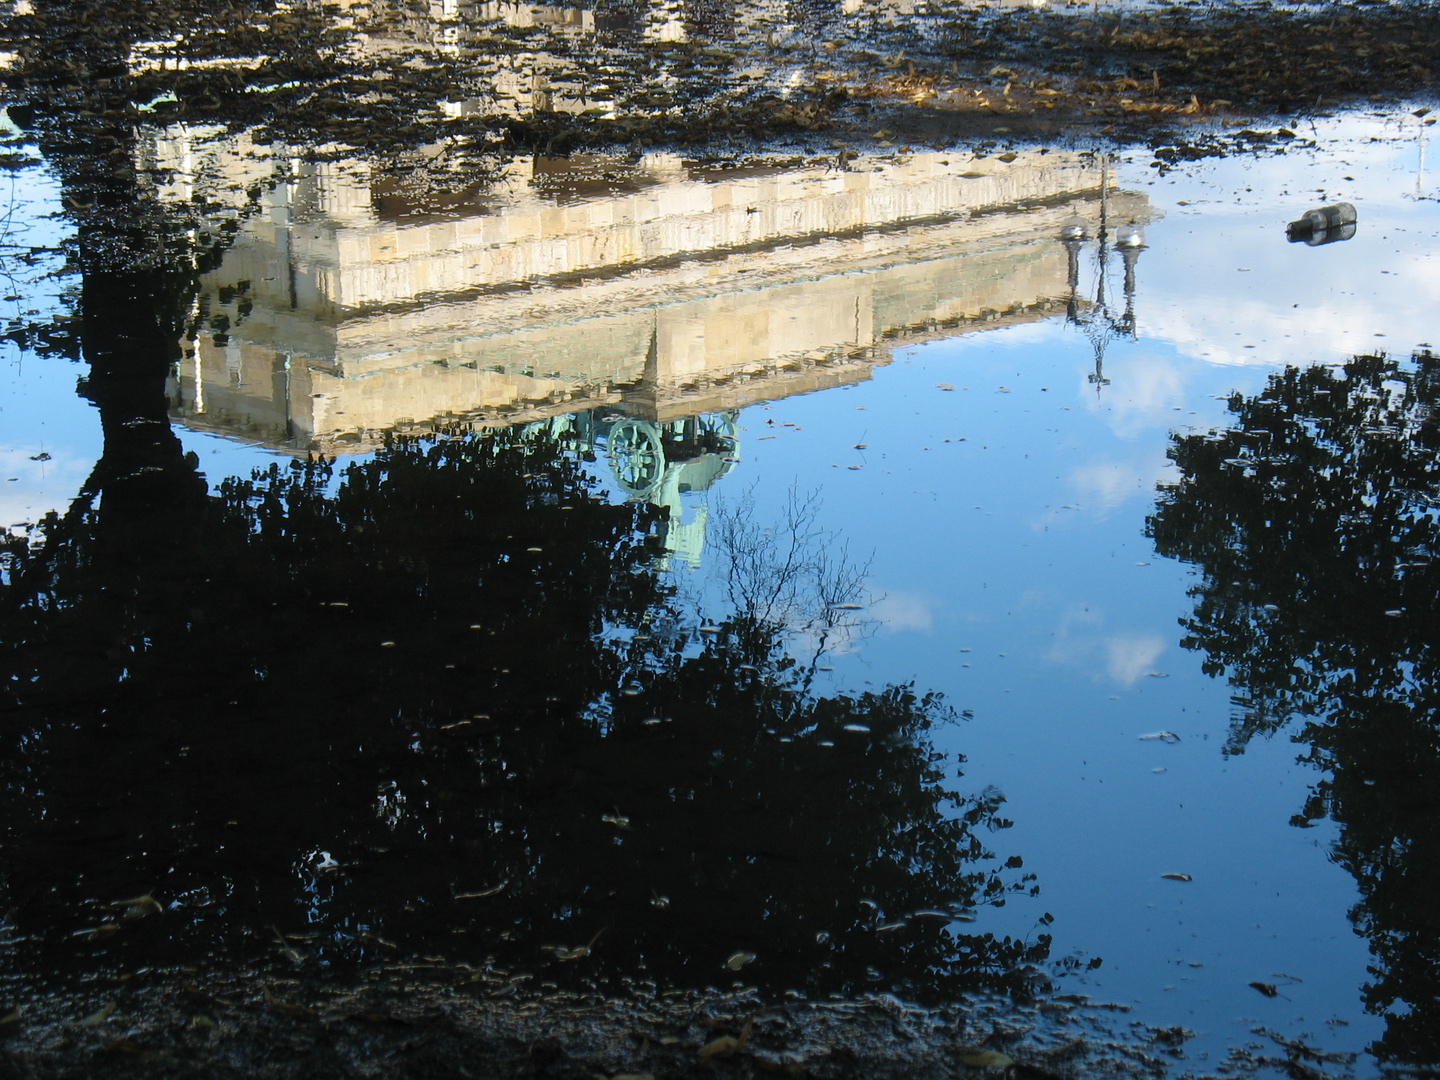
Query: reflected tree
(1315, 522)
(442, 701)
(438, 700)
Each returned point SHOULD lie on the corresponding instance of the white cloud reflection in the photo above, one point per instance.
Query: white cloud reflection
(1081, 641)
(898, 611)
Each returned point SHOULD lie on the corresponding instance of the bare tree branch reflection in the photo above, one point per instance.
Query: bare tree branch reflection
(792, 578)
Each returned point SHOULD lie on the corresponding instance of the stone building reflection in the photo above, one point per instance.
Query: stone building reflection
(661, 292)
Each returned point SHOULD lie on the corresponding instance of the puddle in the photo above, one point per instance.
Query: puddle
(774, 574)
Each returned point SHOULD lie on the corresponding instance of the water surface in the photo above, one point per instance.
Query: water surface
(820, 578)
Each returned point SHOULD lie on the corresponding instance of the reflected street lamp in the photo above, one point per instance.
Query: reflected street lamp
(1096, 319)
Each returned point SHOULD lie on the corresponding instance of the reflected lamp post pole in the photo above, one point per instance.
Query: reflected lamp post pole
(1096, 319)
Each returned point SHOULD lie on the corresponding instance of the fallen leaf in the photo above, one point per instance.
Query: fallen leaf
(727, 1045)
(99, 1016)
(482, 894)
(300, 1012)
(137, 907)
(724, 1046)
(294, 955)
(562, 953)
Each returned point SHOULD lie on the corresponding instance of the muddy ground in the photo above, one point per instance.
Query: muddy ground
(437, 1021)
(1162, 76)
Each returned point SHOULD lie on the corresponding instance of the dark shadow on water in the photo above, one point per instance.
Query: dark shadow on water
(442, 701)
(1315, 521)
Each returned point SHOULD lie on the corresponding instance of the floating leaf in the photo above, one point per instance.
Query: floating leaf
(724, 1046)
(294, 955)
(139, 906)
(92, 932)
(560, 952)
(100, 1015)
(482, 894)
(727, 1045)
(738, 960)
(1162, 736)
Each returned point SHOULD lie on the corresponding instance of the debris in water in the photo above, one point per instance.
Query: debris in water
(1268, 989)
(562, 953)
(137, 907)
(1323, 226)
(90, 933)
(494, 890)
(1176, 877)
(1162, 736)
(100, 1015)
(727, 1045)
(291, 953)
(943, 386)
(859, 729)
(738, 960)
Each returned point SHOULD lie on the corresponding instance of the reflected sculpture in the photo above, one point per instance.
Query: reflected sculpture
(1315, 522)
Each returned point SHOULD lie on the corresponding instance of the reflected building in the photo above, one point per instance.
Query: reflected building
(663, 290)
(660, 292)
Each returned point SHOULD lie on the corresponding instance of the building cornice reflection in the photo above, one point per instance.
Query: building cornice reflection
(666, 290)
